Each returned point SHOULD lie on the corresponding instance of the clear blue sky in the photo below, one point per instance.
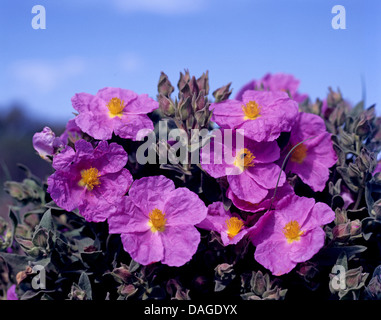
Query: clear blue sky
(91, 44)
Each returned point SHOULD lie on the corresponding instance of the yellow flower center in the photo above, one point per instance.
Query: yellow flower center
(292, 231)
(90, 178)
(156, 220)
(251, 110)
(115, 107)
(234, 226)
(299, 153)
(244, 159)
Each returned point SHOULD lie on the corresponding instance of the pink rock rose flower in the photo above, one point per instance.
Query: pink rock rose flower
(114, 110)
(263, 115)
(157, 222)
(90, 179)
(291, 233)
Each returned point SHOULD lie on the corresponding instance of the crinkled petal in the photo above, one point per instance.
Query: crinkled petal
(133, 126)
(125, 95)
(321, 214)
(273, 255)
(64, 190)
(109, 157)
(308, 245)
(128, 218)
(227, 114)
(180, 244)
(63, 160)
(266, 175)
(151, 192)
(114, 185)
(144, 247)
(245, 188)
(142, 105)
(183, 206)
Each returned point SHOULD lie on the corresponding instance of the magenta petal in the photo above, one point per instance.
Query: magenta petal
(266, 175)
(96, 208)
(96, 125)
(308, 245)
(64, 191)
(144, 247)
(274, 256)
(64, 158)
(227, 114)
(114, 185)
(320, 214)
(264, 152)
(133, 126)
(142, 105)
(109, 157)
(82, 101)
(151, 192)
(106, 94)
(180, 243)
(245, 188)
(311, 173)
(128, 218)
(293, 207)
(183, 206)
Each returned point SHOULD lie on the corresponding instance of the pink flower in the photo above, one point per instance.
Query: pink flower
(157, 222)
(275, 82)
(90, 179)
(251, 172)
(231, 227)
(263, 115)
(312, 159)
(114, 110)
(46, 143)
(291, 233)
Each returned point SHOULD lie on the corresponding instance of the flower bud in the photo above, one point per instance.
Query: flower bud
(46, 143)
(203, 83)
(185, 108)
(355, 227)
(166, 105)
(341, 232)
(164, 86)
(222, 93)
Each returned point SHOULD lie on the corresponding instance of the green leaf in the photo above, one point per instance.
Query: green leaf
(47, 221)
(85, 285)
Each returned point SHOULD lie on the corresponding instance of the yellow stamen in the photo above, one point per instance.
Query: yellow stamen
(156, 220)
(299, 154)
(292, 231)
(90, 178)
(115, 107)
(244, 159)
(251, 110)
(234, 226)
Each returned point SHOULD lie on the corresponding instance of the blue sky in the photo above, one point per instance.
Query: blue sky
(91, 44)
